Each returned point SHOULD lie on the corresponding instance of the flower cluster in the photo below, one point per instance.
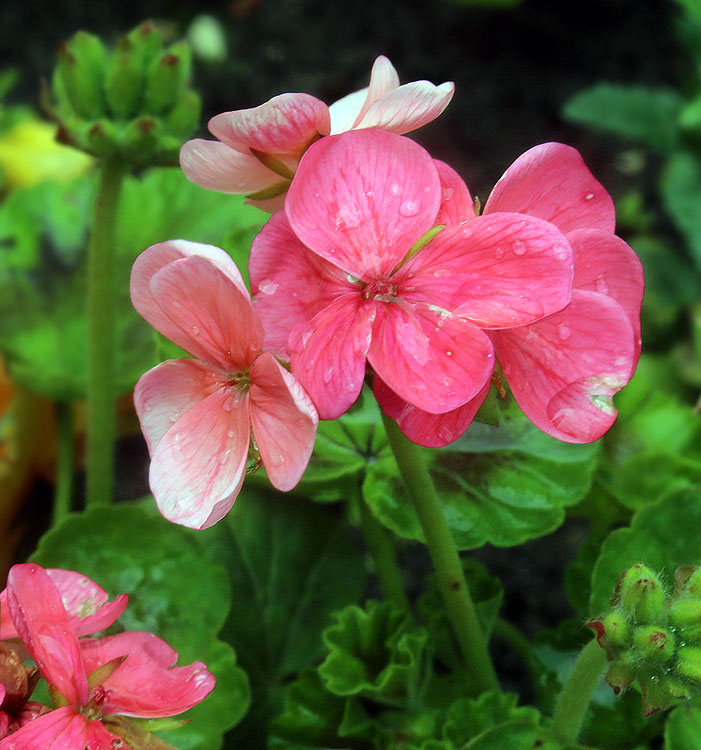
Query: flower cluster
(376, 264)
(95, 683)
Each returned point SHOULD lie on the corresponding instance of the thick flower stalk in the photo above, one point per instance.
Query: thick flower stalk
(258, 149)
(197, 415)
(96, 682)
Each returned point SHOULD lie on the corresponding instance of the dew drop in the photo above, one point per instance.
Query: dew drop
(224, 457)
(347, 219)
(499, 253)
(328, 375)
(394, 189)
(589, 196)
(449, 353)
(148, 407)
(231, 434)
(447, 194)
(519, 247)
(409, 208)
(601, 286)
(195, 330)
(563, 332)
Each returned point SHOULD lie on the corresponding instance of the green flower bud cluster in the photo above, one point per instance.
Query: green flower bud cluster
(132, 103)
(654, 638)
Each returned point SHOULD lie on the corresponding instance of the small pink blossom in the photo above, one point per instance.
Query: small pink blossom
(337, 283)
(258, 149)
(197, 414)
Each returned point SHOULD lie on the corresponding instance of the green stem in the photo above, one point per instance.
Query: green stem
(381, 547)
(572, 703)
(64, 462)
(101, 427)
(439, 539)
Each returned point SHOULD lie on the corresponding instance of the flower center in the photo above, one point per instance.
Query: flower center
(240, 381)
(380, 290)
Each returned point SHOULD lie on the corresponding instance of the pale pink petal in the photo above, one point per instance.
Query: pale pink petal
(498, 271)
(383, 79)
(408, 108)
(46, 630)
(207, 314)
(433, 360)
(146, 684)
(283, 125)
(328, 356)
(604, 263)
(290, 283)
(362, 199)
(284, 422)
(216, 166)
(564, 369)
(344, 112)
(198, 467)
(423, 428)
(553, 182)
(456, 202)
(163, 394)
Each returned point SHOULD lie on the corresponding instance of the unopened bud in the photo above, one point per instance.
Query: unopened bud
(148, 43)
(654, 644)
(142, 134)
(640, 594)
(685, 614)
(166, 79)
(692, 587)
(619, 676)
(185, 115)
(689, 663)
(124, 79)
(81, 68)
(99, 138)
(616, 629)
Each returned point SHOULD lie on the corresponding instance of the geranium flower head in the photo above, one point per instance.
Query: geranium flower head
(258, 149)
(197, 415)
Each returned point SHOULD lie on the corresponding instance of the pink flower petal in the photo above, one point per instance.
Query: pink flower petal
(344, 112)
(456, 202)
(604, 263)
(46, 630)
(147, 684)
(208, 315)
(166, 392)
(435, 361)
(383, 79)
(216, 166)
(290, 283)
(408, 108)
(283, 125)
(362, 199)
(284, 422)
(564, 369)
(328, 356)
(499, 270)
(423, 428)
(551, 181)
(198, 467)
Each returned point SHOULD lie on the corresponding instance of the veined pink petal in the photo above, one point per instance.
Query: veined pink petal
(147, 684)
(290, 283)
(564, 369)
(284, 422)
(46, 630)
(456, 202)
(408, 108)
(164, 393)
(283, 125)
(498, 271)
(383, 79)
(208, 315)
(553, 182)
(344, 112)
(604, 263)
(328, 356)
(362, 199)
(216, 166)
(432, 359)
(198, 467)
(423, 428)
(61, 729)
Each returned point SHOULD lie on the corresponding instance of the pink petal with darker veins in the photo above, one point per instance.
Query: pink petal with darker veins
(423, 428)
(284, 422)
(164, 393)
(432, 359)
(46, 630)
(564, 370)
(362, 199)
(328, 356)
(283, 125)
(198, 467)
(457, 204)
(552, 181)
(290, 283)
(216, 166)
(498, 271)
(146, 684)
(383, 79)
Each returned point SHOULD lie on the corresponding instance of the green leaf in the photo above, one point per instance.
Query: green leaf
(663, 535)
(681, 193)
(632, 112)
(375, 652)
(503, 485)
(683, 728)
(517, 735)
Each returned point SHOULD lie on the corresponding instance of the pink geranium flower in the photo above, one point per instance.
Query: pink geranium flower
(564, 369)
(93, 680)
(338, 280)
(258, 149)
(197, 414)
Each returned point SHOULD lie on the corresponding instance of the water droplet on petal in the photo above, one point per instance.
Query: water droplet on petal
(195, 330)
(410, 208)
(499, 253)
(449, 353)
(601, 286)
(224, 457)
(328, 375)
(447, 194)
(519, 247)
(564, 332)
(231, 433)
(589, 196)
